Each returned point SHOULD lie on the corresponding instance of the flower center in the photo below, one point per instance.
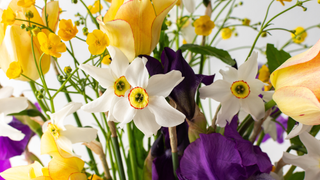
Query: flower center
(240, 89)
(138, 98)
(54, 130)
(121, 86)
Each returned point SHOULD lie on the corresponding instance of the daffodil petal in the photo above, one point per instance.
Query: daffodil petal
(65, 144)
(230, 75)
(298, 129)
(10, 132)
(189, 5)
(146, 123)
(13, 105)
(76, 134)
(163, 84)
(165, 114)
(60, 115)
(305, 162)
(104, 76)
(119, 62)
(311, 143)
(253, 105)
(137, 74)
(256, 85)
(248, 70)
(6, 92)
(228, 109)
(269, 127)
(123, 112)
(216, 91)
(102, 104)
(307, 111)
(267, 95)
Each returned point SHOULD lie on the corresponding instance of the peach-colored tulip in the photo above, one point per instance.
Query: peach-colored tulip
(297, 86)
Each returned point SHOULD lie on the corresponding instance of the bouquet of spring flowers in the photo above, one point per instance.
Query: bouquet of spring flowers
(139, 78)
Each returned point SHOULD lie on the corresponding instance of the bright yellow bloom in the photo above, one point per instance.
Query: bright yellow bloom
(284, 0)
(296, 84)
(95, 177)
(15, 43)
(66, 30)
(106, 60)
(96, 7)
(134, 26)
(246, 21)
(97, 41)
(178, 3)
(264, 76)
(26, 3)
(226, 33)
(14, 70)
(299, 36)
(203, 26)
(8, 17)
(51, 44)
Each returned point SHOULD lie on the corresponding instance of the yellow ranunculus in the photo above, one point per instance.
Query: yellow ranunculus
(96, 7)
(15, 43)
(97, 41)
(203, 25)
(226, 33)
(51, 44)
(8, 16)
(14, 70)
(66, 30)
(299, 36)
(134, 26)
(26, 3)
(297, 86)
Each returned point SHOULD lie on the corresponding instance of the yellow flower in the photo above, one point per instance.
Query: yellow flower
(66, 30)
(26, 3)
(178, 3)
(203, 25)
(264, 76)
(284, 0)
(246, 21)
(299, 36)
(14, 70)
(134, 26)
(51, 45)
(95, 177)
(296, 84)
(106, 60)
(15, 43)
(8, 17)
(226, 33)
(96, 7)
(97, 41)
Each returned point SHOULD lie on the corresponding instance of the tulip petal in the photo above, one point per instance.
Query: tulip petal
(53, 12)
(78, 176)
(119, 62)
(137, 74)
(6, 92)
(120, 35)
(216, 91)
(306, 107)
(163, 84)
(76, 134)
(146, 123)
(112, 11)
(104, 76)
(165, 114)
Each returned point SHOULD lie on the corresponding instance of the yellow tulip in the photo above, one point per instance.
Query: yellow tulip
(297, 86)
(15, 43)
(134, 26)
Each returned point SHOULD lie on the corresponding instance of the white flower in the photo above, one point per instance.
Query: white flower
(298, 129)
(10, 105)
(112, 79)
(270, 128)
(146, 103)
(66, 135)
(238, 89)
(189, 5)
(309, 162)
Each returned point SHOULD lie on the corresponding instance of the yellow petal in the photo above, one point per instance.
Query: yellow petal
(2, 28)
(120, 35)
(78, 176)
(299, 103)
(111, 13)
(49, 146)
(22, 172)
(53, 12)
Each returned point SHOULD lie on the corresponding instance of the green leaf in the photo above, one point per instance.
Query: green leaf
(275, 57)
(221, 54)
(28, 112)
(297, 176)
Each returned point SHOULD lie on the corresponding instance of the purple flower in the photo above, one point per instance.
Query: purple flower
(10, 148)
(216, 157)
(4, 165)
(183, 94)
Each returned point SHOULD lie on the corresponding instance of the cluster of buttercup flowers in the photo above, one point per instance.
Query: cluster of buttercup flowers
(141, 72)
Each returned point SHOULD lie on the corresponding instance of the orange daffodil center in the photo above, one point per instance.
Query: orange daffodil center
(121, 86)
(138, 98)
(240, 89)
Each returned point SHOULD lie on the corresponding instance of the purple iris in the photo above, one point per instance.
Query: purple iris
(218, 157)
(10, 148)
(183, 94)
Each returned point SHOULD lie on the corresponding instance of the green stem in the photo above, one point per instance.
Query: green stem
(289, 173)
(93, 19)
(118, 157)
(43, 107)
(133, 159)
(175, 162)
(260, 138)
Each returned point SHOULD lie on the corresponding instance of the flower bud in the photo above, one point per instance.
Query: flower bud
(67, 70)
(29, 14)
(264, 34)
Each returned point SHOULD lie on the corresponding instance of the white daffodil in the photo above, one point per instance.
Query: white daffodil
(238, 89)
(112, 79)
(146, 103)
(66, 135)
(10, 105)
(298, 129)
(309, 162)
(189, 5)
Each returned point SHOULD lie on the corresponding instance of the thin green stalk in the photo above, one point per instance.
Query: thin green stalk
(260, 138)
(118, 157)
(93, 19)
(133, 158)
(175, 162)
(289, 173)
(43, 107)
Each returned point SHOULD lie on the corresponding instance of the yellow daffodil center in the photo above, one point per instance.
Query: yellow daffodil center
(138, 98)
(54, 130)
(240, 89)
(121, 86)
